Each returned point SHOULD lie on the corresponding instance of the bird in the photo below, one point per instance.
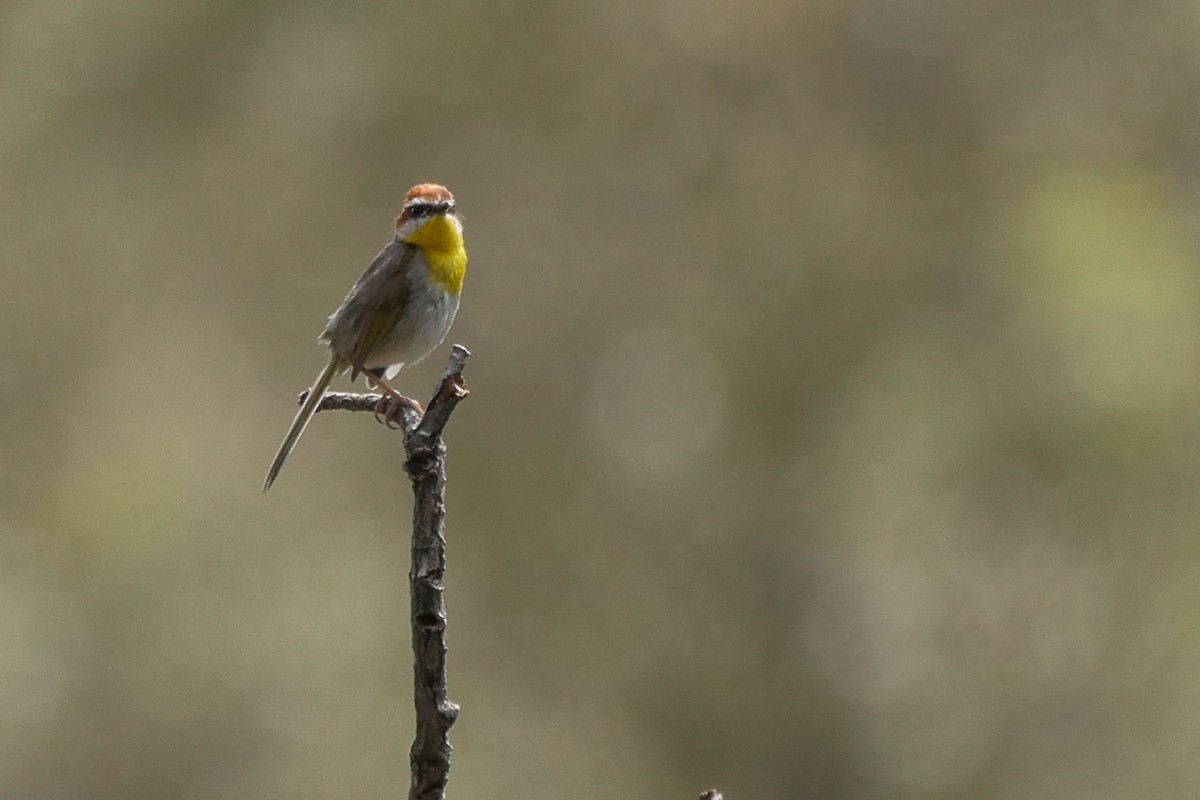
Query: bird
(398, 311)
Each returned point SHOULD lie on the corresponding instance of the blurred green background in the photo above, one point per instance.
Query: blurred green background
(834, 414)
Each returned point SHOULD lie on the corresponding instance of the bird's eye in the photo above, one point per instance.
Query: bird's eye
(418, 210)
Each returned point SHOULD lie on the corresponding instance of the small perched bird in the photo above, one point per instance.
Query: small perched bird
(399, 310)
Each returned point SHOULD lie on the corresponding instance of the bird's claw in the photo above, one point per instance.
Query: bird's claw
(388, 410)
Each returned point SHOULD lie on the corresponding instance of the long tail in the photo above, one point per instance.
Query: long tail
(302, 417)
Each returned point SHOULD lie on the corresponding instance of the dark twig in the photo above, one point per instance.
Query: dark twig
(368, 401)
(426, 467)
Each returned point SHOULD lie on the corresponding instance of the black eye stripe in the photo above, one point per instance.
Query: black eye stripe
(418, 210)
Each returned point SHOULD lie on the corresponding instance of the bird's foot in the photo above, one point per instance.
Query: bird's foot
(388, 410)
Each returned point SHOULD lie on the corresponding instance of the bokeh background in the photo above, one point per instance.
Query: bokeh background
(836, 397)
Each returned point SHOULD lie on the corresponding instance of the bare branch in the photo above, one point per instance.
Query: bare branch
(429, 758)
(406, 417)
(426, 467)
(430, 754)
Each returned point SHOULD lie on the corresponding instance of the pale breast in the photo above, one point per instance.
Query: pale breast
(426, 320)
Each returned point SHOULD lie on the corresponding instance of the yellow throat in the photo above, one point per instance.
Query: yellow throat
(441, 240)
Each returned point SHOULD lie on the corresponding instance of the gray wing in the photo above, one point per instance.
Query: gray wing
(373, 306)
